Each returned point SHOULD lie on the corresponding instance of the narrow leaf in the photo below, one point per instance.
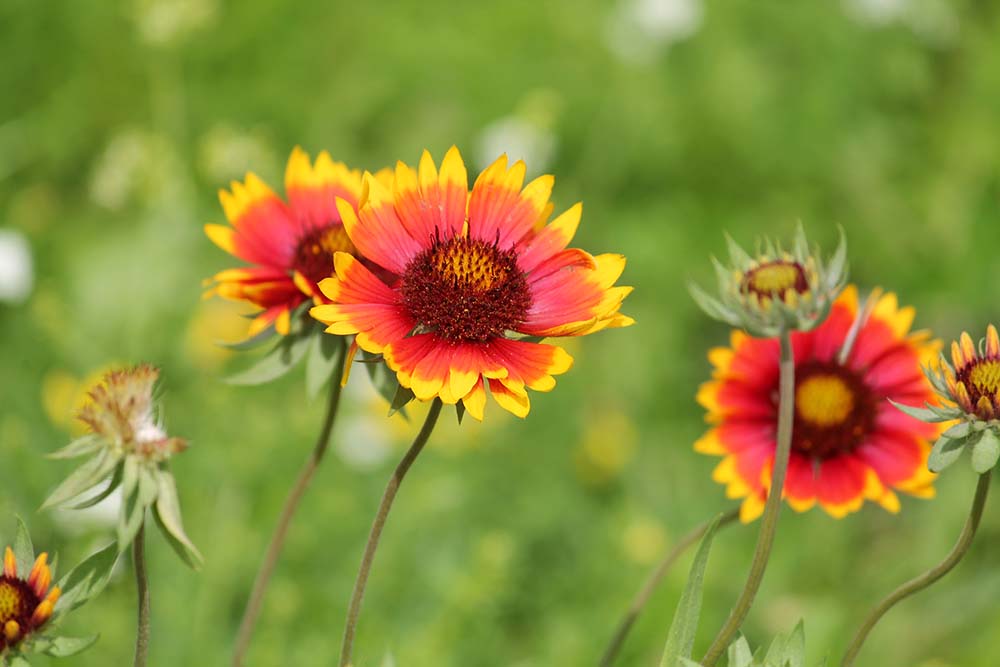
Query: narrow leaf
(79, 447)
(923, 414)
(24, 553)
(87, 579)
(322, 360)
(168, 515)
(252, 342)
(113, 483)
(680, 638)
(986, 452)
(82, 479)
(285, 355)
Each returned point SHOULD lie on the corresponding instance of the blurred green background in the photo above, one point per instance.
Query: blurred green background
(514, 542)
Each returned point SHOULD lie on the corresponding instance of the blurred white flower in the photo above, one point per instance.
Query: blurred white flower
(519, 139)
(364, 437)
(225, 153)
(16, 267)
(161, 22)
(876, 12)
(933, 21)
(640, 29)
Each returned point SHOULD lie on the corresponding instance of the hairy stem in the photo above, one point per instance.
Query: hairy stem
(772, 509)
(376, 532)
(142, 593)
(918, 584)
(653, 581)
(256, 599)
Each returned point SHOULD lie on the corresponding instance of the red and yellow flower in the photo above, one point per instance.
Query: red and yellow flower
(25, 604)
(289, 245)
(849, 444)
(471, 280)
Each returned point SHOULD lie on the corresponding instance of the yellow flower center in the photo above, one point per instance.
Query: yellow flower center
(824, 400)
(14, 603)
(465, 289)
(985, 376)
(775, 279)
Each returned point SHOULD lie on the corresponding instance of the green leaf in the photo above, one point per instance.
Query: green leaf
(252, 342)
(113, 483)
(168, 515)
(400, 399)
(18, 661)
(795, 647)
(923, 414)
(986, 452)
(958, 431)
(688, 662)
(24, 553)
(64, 647)
(739, 654)
(680, 638)
(945, 452)
(322, 362)
(79, 447)
(134, 507)
(285, 355)
(82, 479)
(87, 579)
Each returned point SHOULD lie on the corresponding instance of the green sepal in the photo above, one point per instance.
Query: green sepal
(276, 363)
(65, 647)
(24, 552)
(923, 414)
(113, 483)
(945, 452)
(142, 494)
(322, 361)
(83, 479)
(680, 638)
(986, 451)
(459, 411)
(82, 446)
(167, 511)
(17, 660)
(739, 257)
(255, 341)
(86, 580)
(739, 653)
(711, 306)
(400, 400)
(688, 662)
(958, 431)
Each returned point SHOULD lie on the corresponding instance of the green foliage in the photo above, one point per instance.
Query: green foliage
(680, 638)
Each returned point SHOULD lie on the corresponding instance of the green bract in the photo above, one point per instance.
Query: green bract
(776, 289)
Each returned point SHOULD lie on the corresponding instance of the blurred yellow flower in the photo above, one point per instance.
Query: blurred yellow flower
(607, 446)
(64, 395)
(644, 540)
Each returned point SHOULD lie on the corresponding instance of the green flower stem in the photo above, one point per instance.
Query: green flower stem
(653, 581)
(142, 593)
(918, 584)
(256, 599)
(376, 532)
(772, 509)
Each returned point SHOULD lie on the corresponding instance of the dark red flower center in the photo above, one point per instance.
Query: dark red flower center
(17, 604)
(981, 378)
(834, 410)
(464, 289)
(314, 254)
(775, 279)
